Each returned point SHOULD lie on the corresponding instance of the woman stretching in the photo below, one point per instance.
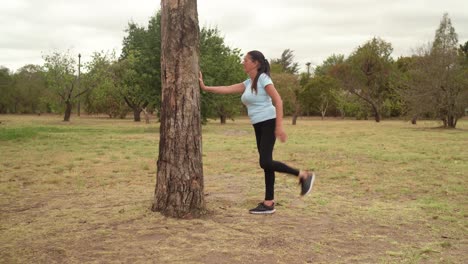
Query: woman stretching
(265, 110)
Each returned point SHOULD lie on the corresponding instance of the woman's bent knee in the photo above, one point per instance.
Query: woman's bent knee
(266, 164)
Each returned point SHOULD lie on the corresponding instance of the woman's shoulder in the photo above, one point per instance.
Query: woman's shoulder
(265, 79)
(264, 75)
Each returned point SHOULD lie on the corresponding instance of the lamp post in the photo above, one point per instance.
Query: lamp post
(308, 69)
(79, 66)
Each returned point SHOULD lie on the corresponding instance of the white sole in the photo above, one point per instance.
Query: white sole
(265, 212)
(311, 184)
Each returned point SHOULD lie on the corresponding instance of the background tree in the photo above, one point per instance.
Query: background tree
(342, 100)
(439, 78)
(132, 85)
(402, 80)
(220, 65)
(289, 85)
(179, 184)
(141, 54)
(61, 79)
(327, 65)
(348, 104)
(102, 77)
(464, 52)
(5, 90)
(366, 74)
(290, 90)
(321, 93)
(287, 62)
(29, 87)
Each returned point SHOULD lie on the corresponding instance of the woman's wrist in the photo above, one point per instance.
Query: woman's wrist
(279, 123)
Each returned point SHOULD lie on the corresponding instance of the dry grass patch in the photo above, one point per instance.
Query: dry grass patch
(385, 193)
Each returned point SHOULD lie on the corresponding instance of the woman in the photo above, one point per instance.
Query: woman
(265, 109)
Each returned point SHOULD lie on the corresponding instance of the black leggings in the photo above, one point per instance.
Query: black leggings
(265, 135)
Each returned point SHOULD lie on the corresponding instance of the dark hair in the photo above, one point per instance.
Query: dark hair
(263, 67)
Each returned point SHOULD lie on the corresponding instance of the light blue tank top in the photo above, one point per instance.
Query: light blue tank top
(259, 106)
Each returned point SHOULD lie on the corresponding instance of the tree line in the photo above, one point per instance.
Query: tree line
(368, 83)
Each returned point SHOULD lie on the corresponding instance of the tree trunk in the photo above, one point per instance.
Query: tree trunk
(78, 109)
(136, 114)
(414, 120)
(377, 115)
(68, 109)
(296, 114)
(147, 118)
(444, 120)
(223, 119)
(179, 183)
(294, 119)
(452, 121)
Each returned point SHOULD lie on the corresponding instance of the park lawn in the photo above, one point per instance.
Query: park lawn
(388, 192)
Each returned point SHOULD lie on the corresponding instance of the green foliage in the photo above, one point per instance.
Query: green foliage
(464, 52)
(287, 62)
(276, 68)
(24, 91)
(320, 94)
(446, 39)
(30, 90)
(105, 96)
(328, 64)
(60, 74)
(289, 88)
(289, 85)
(130, 83)
(141, 55)
(61, 80)
(438, 83)
(5, 90)
(343, 102)
(353, 106)
(366, 73)
(221, 65)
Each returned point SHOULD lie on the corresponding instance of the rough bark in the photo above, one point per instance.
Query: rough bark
(137, 107)
(68, 109)
(294, 119)
(136, 114)
(377, 115)
(296, 114)
(179, 183)
(223, 118)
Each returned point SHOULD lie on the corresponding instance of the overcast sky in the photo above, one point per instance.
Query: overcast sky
(313, 29)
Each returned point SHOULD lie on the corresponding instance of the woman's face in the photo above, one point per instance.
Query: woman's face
(249, 64)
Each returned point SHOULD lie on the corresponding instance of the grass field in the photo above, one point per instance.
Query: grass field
(81, 192)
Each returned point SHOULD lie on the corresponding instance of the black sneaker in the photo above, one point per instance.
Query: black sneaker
(263, 209)
(307, 183)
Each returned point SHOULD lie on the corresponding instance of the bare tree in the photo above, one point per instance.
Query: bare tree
(438, 84)
(179, 183)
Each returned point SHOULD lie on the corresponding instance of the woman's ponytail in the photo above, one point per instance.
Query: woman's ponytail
(264, 66)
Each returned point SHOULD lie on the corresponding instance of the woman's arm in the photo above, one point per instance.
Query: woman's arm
(235, 88)
(278, 103)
